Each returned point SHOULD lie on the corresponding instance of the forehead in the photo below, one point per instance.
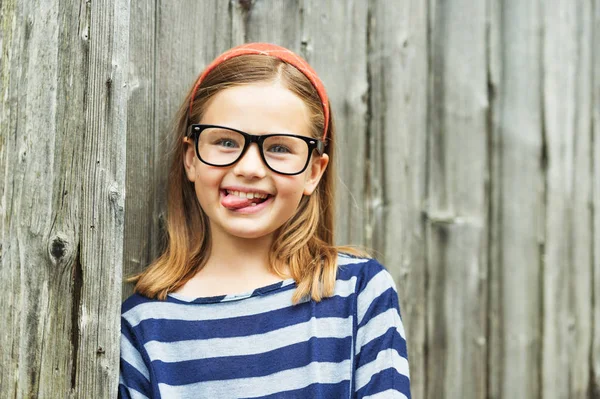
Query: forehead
(259, 108)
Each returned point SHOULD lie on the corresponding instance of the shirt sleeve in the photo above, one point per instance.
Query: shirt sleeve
(134, 377)
(381, 358)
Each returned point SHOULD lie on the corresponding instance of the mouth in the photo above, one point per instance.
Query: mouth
(240, 200)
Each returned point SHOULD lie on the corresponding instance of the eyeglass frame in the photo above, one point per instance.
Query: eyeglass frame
(313, 144)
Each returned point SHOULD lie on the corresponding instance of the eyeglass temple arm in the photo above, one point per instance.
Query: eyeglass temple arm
(320, 147)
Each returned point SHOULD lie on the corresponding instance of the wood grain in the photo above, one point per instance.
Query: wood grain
(568, 266)
(595, 146)
(518, 187)
(457, 231)
(142, 230)
(63, 167)
(397, 71)
(341, 62)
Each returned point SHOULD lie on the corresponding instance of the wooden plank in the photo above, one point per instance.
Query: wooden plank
(96, 346)
(581, 252)
(31, 157)
(397, 133)
(457, 202)
(62, 295)
(595, 354)
(517, 199)
(341, 62)
(568, 262)
(142, 226)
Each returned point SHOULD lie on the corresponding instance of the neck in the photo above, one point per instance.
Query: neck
(239, 257)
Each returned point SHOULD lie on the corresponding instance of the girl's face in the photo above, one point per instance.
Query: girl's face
(260, 108)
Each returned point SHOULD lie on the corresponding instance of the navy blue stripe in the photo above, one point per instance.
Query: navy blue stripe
(130, 372)
(387, 300)
(135, 379)
(165, 330)
(123, 392)
(390, 340)
(384, 380)
(364, 271)
(332, 350)
(128, 332)
(313, 391)
(133, 301)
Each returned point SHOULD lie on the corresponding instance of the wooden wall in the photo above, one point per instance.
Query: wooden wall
(469, 162)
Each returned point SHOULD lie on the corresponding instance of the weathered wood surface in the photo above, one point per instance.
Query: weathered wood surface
(457, 203)
(62, 154)
(567, 269)
(341, 62)
(142, 227)
(517, 187)
(595, 146)
(396, 153)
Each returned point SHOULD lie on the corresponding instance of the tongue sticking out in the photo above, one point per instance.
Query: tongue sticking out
(234, 202)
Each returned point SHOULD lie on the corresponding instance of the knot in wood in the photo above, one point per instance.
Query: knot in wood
(58, 248)
(116, 197)
(245, 4)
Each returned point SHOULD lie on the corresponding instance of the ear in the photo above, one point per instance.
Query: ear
(189, 158)
(315, 172)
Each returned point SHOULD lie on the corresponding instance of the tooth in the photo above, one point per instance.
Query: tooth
(250, 195)
(253, 204)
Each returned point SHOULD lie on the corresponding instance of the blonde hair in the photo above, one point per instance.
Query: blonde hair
(304, 243)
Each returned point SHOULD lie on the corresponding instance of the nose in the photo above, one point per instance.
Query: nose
(251, 164)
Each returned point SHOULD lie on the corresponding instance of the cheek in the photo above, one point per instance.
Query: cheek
(208, 181)
(291, 189)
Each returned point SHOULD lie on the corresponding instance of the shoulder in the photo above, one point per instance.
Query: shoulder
(138, 307)
(365, 271)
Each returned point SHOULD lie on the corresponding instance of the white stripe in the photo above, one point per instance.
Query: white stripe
(379, 283)
(131, 355)
(216, 311)
(132, 392)
(179, 351)
(377, 326)
(347, 260)
(389, 394)
(386, 359)
(287, 380)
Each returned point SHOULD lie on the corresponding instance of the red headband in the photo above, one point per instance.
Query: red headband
(274, 51)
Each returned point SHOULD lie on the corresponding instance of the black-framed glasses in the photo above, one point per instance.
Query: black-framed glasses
(287, 154)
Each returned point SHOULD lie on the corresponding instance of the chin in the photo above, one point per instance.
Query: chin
(249, 234)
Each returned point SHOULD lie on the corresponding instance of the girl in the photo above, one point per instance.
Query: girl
(251, 299)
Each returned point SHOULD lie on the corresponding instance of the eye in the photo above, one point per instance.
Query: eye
(279, 148)
(227, 143)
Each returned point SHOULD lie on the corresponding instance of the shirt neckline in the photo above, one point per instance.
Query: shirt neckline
(267, 289)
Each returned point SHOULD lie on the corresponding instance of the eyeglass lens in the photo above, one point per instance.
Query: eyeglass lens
(285, 154)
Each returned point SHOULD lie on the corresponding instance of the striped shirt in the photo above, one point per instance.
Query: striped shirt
(259, 345)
